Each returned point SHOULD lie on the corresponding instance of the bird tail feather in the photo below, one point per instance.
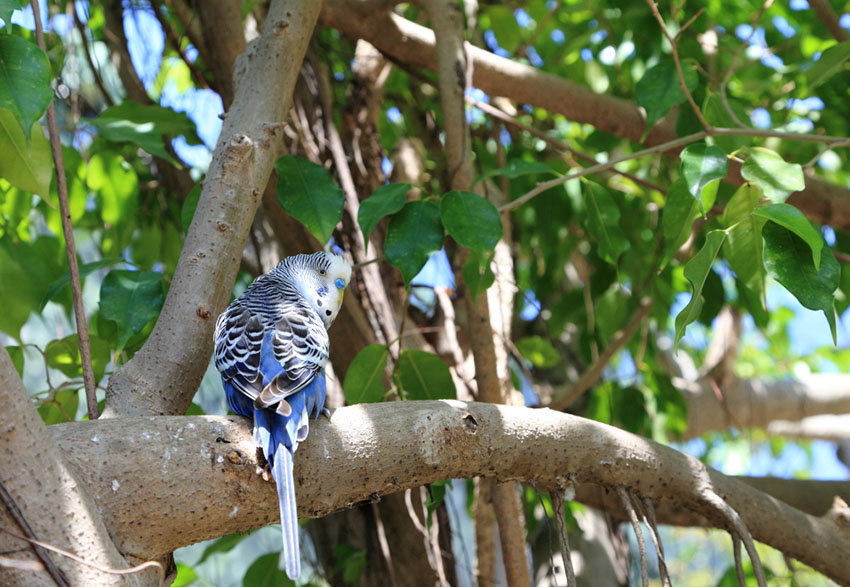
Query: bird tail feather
(282, 473)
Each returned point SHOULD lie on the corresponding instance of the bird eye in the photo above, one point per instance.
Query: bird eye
(322, 272)
(340, 283)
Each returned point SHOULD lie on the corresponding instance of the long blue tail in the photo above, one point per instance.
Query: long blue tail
(278, 437)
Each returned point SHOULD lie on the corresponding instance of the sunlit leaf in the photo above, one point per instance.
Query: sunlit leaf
(788, 259)
(701, 165)
(777, 178)
(386, 200)
(307, 192)
(423, 375)
(744, 246)
(186, 575)
(414, 233)
(117, 183)
(363, 382)
(539, 351)
(696, 272)
(829, 64)
(265, 571)
(471, 220)
(24, 80)
(26, 162)
(62, 408)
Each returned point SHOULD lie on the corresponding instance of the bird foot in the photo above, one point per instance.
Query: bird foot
(326, 413)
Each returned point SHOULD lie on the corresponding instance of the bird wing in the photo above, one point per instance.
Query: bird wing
(238, 342)
(300, 345)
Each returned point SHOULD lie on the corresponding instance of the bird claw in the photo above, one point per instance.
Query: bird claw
(326, 413)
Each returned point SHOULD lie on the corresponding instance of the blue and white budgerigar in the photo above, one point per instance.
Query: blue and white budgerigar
(271, 347)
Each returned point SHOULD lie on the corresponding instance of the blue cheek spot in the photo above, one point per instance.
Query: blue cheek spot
(322, 291)
(339, 283)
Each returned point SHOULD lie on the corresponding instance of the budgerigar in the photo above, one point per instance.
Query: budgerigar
(271, 346)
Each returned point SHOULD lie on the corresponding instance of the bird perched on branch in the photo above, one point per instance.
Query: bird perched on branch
(271, 347)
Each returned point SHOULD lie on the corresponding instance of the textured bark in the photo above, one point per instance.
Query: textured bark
(224, 39)
(55, 504)
(497, 76)
(164, 375)
(195, 487)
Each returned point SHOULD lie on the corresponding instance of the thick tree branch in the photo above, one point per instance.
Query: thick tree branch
(164, 375)
(49, 495)
(199, 473)
(415, 45)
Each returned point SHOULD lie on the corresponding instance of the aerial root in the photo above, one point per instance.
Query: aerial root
(739, 531)
(626, 501)
(558, 507)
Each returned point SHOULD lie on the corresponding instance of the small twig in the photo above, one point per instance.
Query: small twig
(12, 507)
(675, 50)
(95, 71)
(70, 247)
(382, 541)
(630, 512)
(558, 507)
(595, 370)
(362, 264)
(174, 41)
(829, 146)
(557, 144)
(724, 98)
(737, 526)
(82, 561)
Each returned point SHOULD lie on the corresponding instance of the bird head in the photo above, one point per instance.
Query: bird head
(321, 278)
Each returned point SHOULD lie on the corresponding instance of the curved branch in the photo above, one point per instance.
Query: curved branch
(198, 473)
(164, 375)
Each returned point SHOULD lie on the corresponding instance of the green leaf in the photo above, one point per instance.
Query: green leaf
(423, 375)
(387, 199)
(26, 162)
(62, 408)
(701, 165)
(516, 168)
(131, 299)
(363, 382)
(477, 274)
(24, 80)
(350, 563)
(772, 174)
(744, 246)
(187, 212)
(539, 351)
(471, 220)
(659, 90)
(16, 290)
(7, 7)
(307, 192)
(680, 209)
(603, 219)
(715, 114)
(117, 183)
(223, 544)
(186, 575)
(829, 63)
(504, 26)
(265, 571)
(696, 271)
(56, 286)
(788, 216)
(789, 261)
(64, 355)
(413, 235)
(16, 353)
(146, 126)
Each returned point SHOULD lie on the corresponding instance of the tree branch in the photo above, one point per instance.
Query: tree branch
(201, 471)
(48, 494)
(164, 375)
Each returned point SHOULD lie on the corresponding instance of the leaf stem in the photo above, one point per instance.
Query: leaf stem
(67, 229)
